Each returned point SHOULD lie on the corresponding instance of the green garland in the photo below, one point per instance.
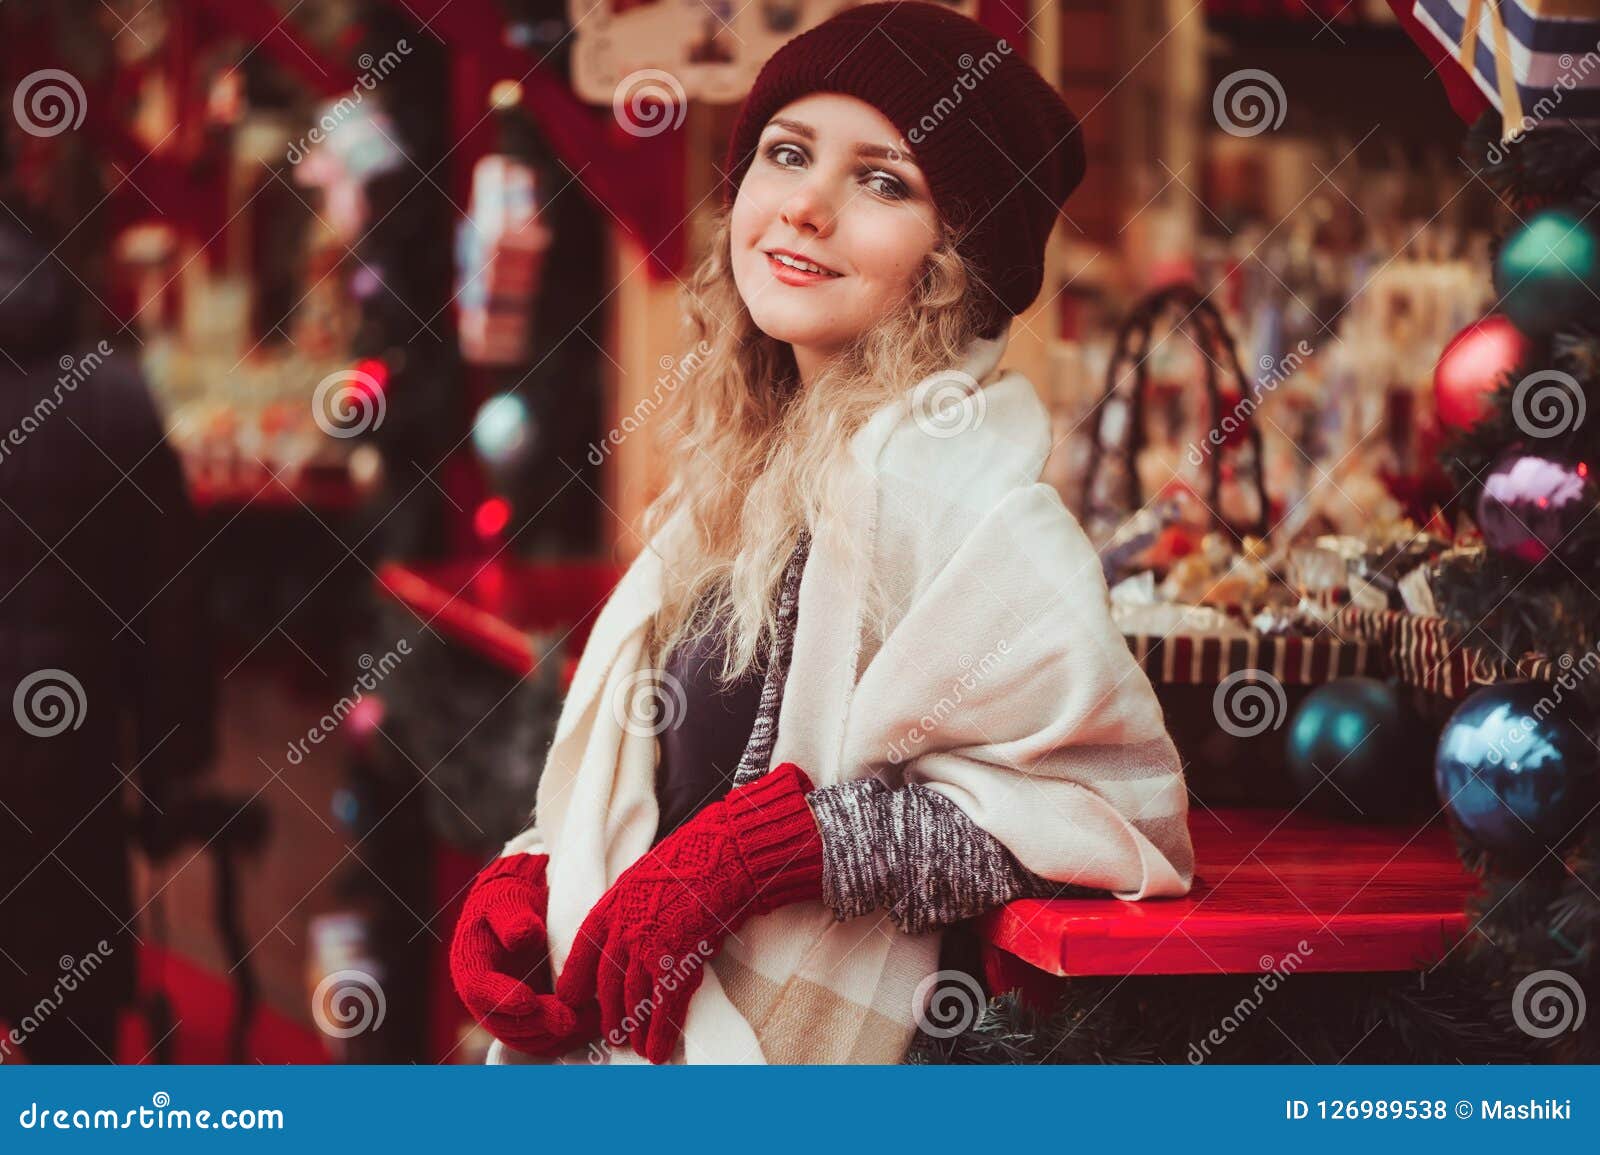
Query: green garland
(1309, 1018)
(1553, 608)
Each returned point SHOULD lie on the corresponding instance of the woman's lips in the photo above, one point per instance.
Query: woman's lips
(790, 275)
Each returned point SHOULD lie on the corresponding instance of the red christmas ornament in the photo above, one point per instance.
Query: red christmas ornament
(1470, 369)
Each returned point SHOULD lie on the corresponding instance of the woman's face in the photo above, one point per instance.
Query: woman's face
(832, 185)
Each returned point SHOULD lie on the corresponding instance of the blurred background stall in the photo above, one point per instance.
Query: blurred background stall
(403, 279)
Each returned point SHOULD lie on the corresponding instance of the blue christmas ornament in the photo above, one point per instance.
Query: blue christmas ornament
(1356, 750)
(1514, 769)
(501, 431)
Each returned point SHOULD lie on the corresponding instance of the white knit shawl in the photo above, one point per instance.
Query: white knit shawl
(1002, 683)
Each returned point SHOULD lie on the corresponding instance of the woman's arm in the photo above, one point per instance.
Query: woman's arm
(915, 854)
(1007, 690)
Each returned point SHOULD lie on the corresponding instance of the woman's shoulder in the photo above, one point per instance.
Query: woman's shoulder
(945, 473)
(967, 445)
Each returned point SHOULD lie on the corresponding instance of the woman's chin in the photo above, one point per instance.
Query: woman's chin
(807, 332)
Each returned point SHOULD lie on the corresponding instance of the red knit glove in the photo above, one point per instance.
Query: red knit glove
(500, 960)
(643, 950)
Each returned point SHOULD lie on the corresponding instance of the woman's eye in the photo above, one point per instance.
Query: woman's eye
(786, 155)
(887, 185)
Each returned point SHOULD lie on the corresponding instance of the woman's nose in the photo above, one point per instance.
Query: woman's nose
(809, 207)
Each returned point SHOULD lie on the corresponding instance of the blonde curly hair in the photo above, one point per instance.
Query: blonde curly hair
(755, 458)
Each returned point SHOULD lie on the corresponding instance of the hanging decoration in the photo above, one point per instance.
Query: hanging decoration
(1472, 366)
(1530, 504)
(500, 249)
(1547, 272)
(1515, 770)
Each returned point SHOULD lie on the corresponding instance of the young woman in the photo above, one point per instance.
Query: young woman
(891, 695)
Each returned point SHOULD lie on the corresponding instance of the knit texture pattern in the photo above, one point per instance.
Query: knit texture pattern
(758, 752)
(748, 854)
(641, 953)
(500, 960)
(915, 854)
(910, 851)
(501, 926)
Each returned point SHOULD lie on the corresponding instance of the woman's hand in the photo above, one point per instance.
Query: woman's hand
(642, 952)
(500, 960)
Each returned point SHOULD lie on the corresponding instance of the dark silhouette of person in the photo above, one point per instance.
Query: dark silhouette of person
(106, 688)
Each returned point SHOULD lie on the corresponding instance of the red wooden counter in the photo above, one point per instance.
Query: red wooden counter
(1358, 897)
(1270, 886)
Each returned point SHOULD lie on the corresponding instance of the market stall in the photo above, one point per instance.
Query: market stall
(1316, 346)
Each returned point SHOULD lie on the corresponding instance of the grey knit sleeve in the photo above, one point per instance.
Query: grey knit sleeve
(914, 853)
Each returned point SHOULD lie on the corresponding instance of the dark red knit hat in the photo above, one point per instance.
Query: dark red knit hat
(1000, 149)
